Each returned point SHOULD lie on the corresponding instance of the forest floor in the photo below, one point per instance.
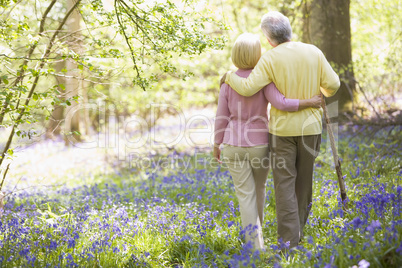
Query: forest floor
(173, 206)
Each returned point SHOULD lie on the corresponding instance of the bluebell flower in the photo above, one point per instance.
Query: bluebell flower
(356, 222)
(309, 254)
(24, 252)
(186, 238)
(230, 223)
(53, 245)
(373, 226)
(69, 257)
(274, 247)
(90, 256)
(399, 249)
(399, 189)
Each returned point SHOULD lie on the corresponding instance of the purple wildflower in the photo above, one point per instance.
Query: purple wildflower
(373, 226)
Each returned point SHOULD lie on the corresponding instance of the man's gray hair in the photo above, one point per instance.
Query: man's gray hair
(276, 27)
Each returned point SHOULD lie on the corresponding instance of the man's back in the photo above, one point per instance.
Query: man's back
(296, 71)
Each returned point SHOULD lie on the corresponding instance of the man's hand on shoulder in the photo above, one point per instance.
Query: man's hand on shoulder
(223, 78)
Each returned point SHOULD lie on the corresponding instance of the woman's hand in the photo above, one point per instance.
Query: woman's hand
(217, 153)
(314, 102)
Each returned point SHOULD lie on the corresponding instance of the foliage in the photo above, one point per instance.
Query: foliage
(159, 32)
(164, 215)
(21, 64)
(168, 36)
(376, 53)
(34, 41)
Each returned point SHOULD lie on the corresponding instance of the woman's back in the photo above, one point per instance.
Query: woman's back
(243, 121)
(245, 108)
(248, 120)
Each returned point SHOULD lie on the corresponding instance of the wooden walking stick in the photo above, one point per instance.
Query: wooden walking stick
(336, 157)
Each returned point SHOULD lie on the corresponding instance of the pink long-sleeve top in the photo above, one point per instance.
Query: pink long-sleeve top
(243, 121)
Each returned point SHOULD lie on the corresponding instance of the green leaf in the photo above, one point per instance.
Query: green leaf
(4, 79)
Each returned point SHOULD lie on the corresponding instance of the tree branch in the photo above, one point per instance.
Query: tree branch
(42, 22)
(31, 50)
(369, 102)
(35, 83)
(128, 42)
(4, 177)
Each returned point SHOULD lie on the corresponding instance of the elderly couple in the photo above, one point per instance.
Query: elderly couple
(290, 141)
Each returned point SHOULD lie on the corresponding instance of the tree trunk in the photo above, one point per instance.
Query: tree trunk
(72, 82)
(86, 120)
(326, 24)
(53, 128)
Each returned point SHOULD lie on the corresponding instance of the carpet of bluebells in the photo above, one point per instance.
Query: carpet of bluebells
(175, 215)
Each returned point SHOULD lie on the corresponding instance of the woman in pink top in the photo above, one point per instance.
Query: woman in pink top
(241, 125)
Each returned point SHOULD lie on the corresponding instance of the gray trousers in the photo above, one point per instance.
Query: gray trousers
(292, 160)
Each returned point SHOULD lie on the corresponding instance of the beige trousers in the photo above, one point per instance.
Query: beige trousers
(292, 161)
(249, 169)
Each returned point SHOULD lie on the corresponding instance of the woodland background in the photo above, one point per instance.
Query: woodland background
(59, 55)
(91, 91)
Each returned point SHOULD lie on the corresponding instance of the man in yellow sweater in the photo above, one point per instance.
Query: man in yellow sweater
(299, 71)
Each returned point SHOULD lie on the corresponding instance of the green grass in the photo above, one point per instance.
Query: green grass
(172, 217)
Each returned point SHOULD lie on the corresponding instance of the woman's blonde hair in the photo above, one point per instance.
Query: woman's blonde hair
(246, 51)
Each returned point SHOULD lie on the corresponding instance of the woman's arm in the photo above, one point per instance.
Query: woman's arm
(221, 120)
(280, 102)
